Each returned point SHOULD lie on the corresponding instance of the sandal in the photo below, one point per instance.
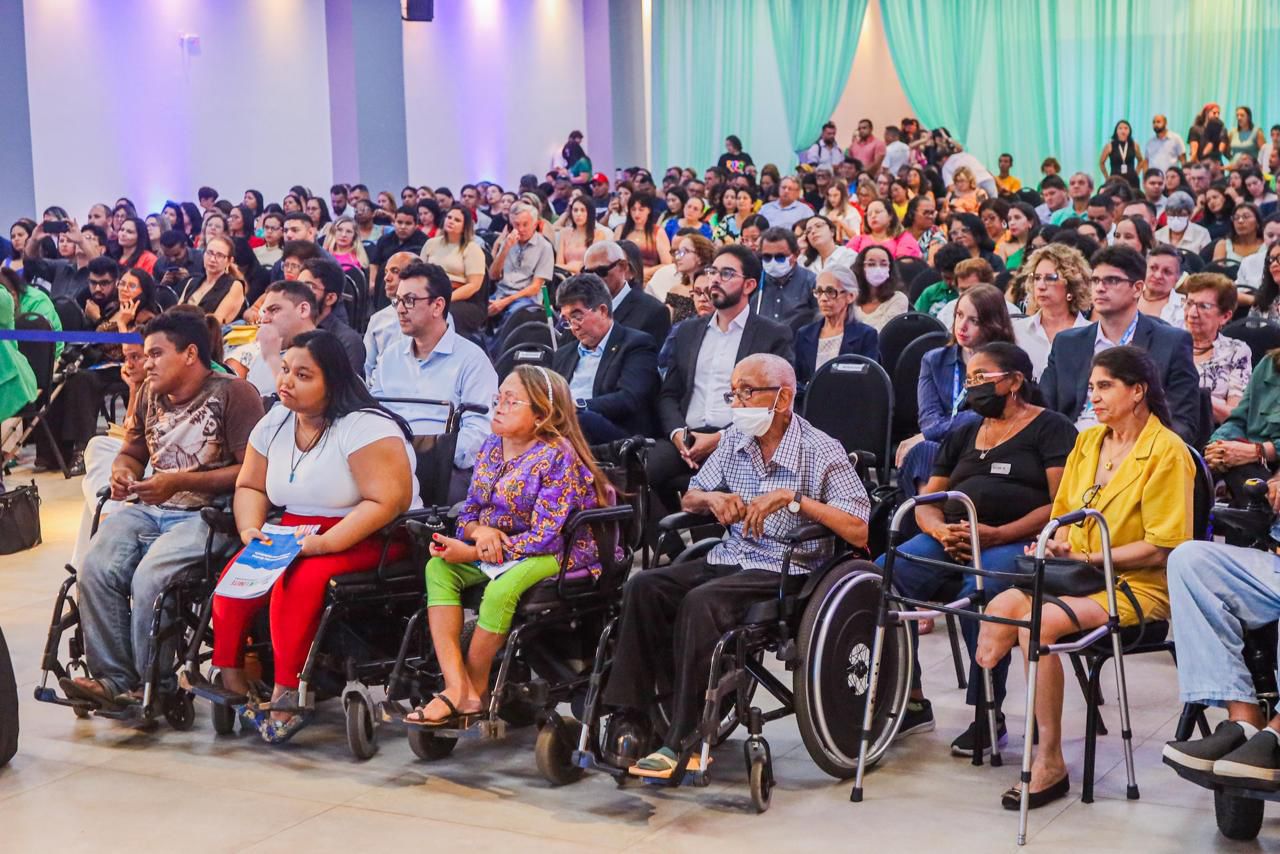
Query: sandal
(102, 698)
(455, 719)
(661, 764)
(279, 732)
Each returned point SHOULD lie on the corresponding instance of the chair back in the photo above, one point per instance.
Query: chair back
(623, 462)
(355, 293)
(39, 354)
(909, 268)
(71, 315)
(1205, 424)
(850, 399)
(532, 332)
(1230, 269)
(906, 376)
(901, 331)
(1259, 333)
(1202, 496)
(923, 279)
(1191, 261)
(523, 354)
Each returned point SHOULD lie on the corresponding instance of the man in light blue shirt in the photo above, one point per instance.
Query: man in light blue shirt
(432, 361)
(787, 210)
(384, 327)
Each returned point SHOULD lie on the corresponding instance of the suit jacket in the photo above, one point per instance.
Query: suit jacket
(759, 335)
(626, 381)
(1065, 381)
(935, 393)
(859, 339)
(645, 313)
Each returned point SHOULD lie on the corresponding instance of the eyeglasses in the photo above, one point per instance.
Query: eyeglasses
(217, 256)
(500, 402)
(680, 253)
(1273, 260)
(1194, 305)
(1047, 279)
(1243, 216)
(101, 284)
(1090, 495)
(982, 378)
(723, 274)
(702, 292)
(600, 271)
(1109, 281)
(410, 300)
(291, 267)
(778, 256)
(746, 393)
(575, 318)
(829, 293)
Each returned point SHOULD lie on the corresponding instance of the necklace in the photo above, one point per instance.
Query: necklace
(1108, 464)
(294, 463)
(982, 455)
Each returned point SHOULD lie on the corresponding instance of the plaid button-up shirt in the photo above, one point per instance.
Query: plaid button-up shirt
(806, 460)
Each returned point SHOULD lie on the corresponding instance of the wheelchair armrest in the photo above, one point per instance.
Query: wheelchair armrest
(617, 513)
(808, 531)
(684, 520)
(220, 520)
(103, 494)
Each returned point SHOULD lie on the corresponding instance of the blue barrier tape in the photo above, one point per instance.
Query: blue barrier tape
(87, 337)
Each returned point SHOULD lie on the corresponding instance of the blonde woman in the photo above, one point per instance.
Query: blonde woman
(221, 290)
(964, 194)
(343, 244)
(1058, 295)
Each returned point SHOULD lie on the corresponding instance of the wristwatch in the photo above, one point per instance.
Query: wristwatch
(794, 506)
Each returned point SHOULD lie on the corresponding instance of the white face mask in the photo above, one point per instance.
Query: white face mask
(777, 269)
(877, 275)
(1178, 224)
(754, 420)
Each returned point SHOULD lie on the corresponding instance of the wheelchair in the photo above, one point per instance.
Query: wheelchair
(973, 607)
(1239, 809)
(364, 616)
(184, 592)
(548, 656)
(820, 626)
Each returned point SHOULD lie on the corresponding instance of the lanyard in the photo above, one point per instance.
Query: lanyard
(958, 390)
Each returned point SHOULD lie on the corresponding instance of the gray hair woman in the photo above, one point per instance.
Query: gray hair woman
(839, 332)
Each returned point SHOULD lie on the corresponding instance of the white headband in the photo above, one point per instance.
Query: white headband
(546, 376)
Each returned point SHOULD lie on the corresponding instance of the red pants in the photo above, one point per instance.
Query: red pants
(296, 603)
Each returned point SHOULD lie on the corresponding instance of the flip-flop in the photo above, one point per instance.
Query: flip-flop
(663, 764)
(75, 691)
(456, 719)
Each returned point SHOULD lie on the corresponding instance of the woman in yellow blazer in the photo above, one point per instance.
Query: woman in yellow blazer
(1140, 476)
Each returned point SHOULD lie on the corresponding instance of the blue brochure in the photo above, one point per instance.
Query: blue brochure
(263, 561)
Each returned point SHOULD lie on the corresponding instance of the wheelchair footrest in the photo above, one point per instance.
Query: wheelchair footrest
(217, 695)
(50, 695)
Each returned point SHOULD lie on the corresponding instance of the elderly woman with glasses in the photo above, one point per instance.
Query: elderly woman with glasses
(839, 332)
(1137, 472)
(1224, 364)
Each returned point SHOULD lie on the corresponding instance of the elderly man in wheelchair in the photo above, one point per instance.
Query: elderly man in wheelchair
(772, 473)
(1219, 594)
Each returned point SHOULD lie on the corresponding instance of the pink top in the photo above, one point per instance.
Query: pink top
(902, 246)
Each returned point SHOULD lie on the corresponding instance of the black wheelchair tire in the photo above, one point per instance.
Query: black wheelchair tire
(428, 746)
(8, 705)
(837, 658)
(761, 784)
(362, 732)
(180, 710)
(553, 752)
(1238, 818)
(222, 716)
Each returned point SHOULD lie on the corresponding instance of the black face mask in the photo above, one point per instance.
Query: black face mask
(984, 400)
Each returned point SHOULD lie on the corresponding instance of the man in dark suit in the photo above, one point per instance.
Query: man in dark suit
(692, 410)
(1118, 272)
(612, 371)
(632, 307)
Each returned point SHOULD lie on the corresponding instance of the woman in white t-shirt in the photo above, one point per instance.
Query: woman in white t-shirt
(331, 456)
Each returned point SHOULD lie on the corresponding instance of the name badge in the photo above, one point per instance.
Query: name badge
(1124, 168)
(1001, 468)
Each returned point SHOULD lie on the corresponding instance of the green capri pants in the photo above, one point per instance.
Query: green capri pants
(446, 581)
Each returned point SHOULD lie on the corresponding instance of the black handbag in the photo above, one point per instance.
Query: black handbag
(19, 519)
(1063, 576)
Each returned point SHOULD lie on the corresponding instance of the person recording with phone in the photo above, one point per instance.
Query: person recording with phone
(68, 275)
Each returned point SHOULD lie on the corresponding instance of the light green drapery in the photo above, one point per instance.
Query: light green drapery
(1040, 77)
(770, 71)
(814, 42)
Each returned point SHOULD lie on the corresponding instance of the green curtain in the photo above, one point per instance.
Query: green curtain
(1041, 77)
(814, 42)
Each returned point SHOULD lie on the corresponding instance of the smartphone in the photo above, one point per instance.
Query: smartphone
(57, 226)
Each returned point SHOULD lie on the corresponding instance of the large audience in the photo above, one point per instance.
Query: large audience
(1083, 357)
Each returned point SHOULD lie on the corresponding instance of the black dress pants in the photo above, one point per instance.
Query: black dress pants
(671, 620)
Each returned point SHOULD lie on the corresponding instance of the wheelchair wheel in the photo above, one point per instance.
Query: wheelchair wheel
(1238, 818)
(223, 716)
(428, 746)
(362, 736)
(835, 641)
(180, 710)
(554, 752)
(761, 784)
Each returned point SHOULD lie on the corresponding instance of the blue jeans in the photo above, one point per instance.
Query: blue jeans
(136, 552)
(1218, 592)
(924, 582)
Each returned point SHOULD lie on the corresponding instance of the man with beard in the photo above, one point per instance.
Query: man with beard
(692, 410)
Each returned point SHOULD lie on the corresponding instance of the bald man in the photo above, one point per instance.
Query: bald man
(383, 326)
(771, 472)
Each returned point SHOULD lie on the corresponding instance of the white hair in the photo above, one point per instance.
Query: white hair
(612, 252)
(776, 370)
(844, 278)
(524, 207)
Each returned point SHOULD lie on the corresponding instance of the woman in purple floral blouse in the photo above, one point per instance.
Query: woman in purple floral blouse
(530, 476)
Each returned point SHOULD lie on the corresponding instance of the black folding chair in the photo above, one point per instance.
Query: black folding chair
(909, 268)
(532, 332)
(1191, 262)
(854, 381)
(1260, 334)
(522, 354)
(39, 355)
(355, 293)
(1230, 269)
(906, 406)
(901, 331)
(923, 279)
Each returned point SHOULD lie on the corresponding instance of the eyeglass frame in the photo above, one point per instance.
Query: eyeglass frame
(717, 274)
(498, 402)
(410, 301)
(745, 394)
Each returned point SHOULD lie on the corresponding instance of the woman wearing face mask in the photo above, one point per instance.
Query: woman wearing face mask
(839, 332)
(883, 229)
(981, 318)
(880, 297)
(821, 250)
(1009, 461)
(1179, 231)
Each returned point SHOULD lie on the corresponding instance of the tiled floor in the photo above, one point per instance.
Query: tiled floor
(97, 786)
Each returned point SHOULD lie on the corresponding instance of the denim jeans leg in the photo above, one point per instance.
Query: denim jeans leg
(919, 581)
(178, 550)
(1217, 593)
(999, 559)
(104, 586)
